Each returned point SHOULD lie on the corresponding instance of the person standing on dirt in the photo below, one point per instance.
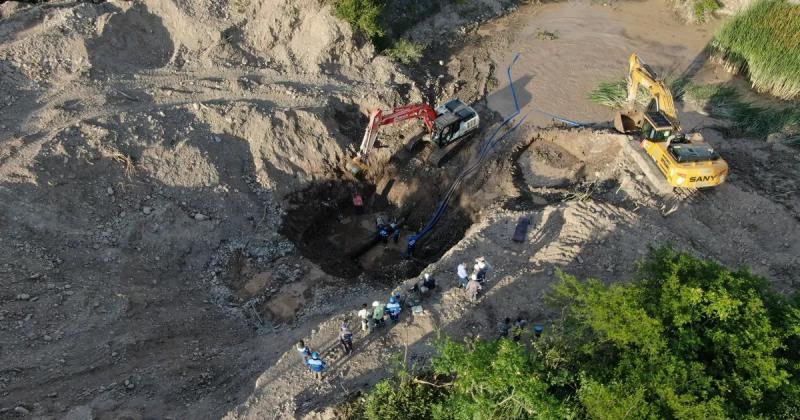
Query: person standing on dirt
(383, 229)
(504, 327)
(413, 296)
(358, 203)
(428, 283)
(394, 308)
(480, 269)
(303, 350)
(365, 315)
(472, 288)
(378, 312)
(463, 275)
(519, 328)
(316, 365)
(395, 231)
(346, 339)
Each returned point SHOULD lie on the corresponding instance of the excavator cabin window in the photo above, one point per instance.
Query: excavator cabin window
(444, 134)
(651, 133)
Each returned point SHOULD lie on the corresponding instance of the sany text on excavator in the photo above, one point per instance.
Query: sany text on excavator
(446, 125)
(685, 163)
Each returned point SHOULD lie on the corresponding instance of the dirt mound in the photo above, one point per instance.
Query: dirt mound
(305, 36)
(135, 39)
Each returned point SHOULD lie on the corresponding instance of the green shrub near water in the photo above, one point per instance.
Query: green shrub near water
(763, 41)
(614, 94)
(687, 338)
(745, 119)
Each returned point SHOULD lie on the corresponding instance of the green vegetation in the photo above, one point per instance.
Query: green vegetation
(545, 35)
(405, 51)
(363, 15)
(401, 397)
(704, 8)
(614, 94)
(686, 338)
(746, 119)
(764, 42)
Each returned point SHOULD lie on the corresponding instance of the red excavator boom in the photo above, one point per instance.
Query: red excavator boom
(379, 119)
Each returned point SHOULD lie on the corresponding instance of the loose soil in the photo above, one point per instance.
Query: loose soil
(176, 211)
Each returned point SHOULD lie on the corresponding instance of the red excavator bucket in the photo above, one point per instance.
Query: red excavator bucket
(625, 123)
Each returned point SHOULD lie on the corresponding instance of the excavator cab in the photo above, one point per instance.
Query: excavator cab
(454, 120)
(656, 127)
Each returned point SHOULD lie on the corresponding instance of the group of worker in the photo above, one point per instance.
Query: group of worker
(473, 283)
(313, 360)
(391, 310)
(377, 316)
(516, 329)
(385, 230)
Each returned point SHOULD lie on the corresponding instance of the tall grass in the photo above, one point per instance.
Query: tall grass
(745, 119)
(763, 41)
(614, 94)
(704, 8)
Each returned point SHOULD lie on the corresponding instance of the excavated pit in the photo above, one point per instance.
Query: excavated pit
(324, 225)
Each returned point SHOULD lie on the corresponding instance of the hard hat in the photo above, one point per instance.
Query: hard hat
(375, 304)
(315, 355)
(392, 300)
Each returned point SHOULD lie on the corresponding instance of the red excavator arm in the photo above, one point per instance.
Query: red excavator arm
(378, 119)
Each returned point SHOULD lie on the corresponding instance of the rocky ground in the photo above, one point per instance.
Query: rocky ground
(175, 199)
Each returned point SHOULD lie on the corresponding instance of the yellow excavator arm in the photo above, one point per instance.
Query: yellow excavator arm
(642, 75)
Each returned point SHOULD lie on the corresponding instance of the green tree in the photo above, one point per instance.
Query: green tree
(401, 397)
(497, 379)
(687, 339)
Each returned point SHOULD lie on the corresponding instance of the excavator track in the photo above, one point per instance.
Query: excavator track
(443, 154)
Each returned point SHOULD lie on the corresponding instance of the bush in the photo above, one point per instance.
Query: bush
(746, 119)
(363, 15)
(496, 380)
(400, 398)
(764, 42)
(405, 51)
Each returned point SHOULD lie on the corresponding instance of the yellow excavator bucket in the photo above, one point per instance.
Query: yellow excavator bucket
(356, 165)
(626, 123)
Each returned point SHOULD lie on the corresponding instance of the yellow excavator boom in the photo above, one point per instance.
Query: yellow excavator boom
(642, 75)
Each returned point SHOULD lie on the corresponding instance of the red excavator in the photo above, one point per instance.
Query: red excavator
(446, 125)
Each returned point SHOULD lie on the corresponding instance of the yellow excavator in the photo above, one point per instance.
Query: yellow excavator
(685, 163)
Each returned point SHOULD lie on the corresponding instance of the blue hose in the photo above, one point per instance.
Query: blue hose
(485, 150)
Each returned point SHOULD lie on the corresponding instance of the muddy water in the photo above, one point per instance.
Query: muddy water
(592, 44)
